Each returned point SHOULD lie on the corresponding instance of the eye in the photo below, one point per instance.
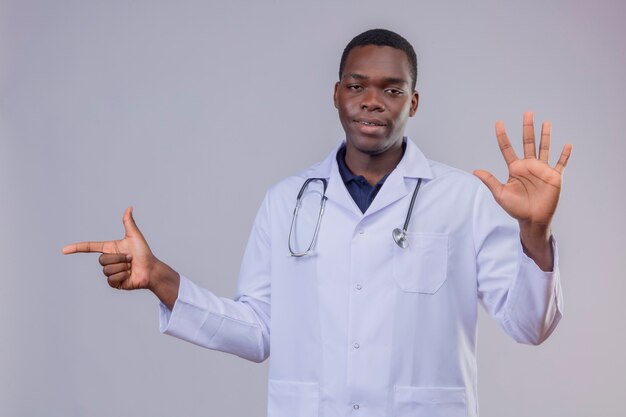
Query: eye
(354, 87)
(394, 91)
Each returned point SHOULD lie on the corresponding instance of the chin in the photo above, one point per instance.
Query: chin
(372, 145)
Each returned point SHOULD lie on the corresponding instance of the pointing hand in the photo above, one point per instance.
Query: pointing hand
(128, 263)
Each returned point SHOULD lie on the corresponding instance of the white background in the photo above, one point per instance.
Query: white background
(189, 110)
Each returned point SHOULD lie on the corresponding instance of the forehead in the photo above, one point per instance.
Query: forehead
(378, 61)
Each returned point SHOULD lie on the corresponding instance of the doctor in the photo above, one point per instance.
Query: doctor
(357, 321)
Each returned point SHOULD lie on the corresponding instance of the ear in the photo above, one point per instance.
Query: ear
(335, 94)
(414, 102)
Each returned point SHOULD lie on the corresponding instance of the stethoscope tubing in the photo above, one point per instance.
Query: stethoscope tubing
(410, 211)
(399, 236)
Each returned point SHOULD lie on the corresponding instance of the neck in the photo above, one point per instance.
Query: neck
(373, 167)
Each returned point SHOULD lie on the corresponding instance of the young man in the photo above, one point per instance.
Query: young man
(375, 310)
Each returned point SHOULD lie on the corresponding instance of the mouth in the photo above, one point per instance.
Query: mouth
(376, 123)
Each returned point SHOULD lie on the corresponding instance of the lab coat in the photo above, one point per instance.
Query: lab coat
(363, 327)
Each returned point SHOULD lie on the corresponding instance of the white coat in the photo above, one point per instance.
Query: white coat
(363, 327)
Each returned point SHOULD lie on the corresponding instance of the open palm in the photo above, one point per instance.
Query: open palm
(532, 191)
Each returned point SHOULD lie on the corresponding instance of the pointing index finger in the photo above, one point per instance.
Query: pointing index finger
(90, 247)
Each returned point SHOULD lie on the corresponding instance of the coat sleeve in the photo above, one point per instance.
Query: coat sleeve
(239, 326)
(523, 299)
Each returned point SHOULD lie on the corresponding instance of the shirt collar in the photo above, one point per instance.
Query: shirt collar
(344, 171)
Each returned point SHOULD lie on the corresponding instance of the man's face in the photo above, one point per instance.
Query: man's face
(374, 98)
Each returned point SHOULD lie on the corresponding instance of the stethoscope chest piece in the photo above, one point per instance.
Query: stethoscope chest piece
(400, 238)
(399, 235)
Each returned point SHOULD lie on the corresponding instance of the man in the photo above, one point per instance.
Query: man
(360, 319)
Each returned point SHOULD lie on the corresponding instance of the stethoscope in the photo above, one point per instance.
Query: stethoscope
(399, 235)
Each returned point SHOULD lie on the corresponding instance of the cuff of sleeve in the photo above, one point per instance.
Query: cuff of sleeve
(165, 314)
(530, 263)
(189, 315)
(535, 304)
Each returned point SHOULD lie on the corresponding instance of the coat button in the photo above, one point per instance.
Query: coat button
(355, 406)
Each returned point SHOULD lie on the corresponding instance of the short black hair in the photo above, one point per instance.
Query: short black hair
(382, 37)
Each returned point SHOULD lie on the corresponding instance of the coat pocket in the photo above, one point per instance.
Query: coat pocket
(429, 402)
(292, 399)
(423, 266)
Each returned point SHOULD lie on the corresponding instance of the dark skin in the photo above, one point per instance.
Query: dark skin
(374, 99)
(129, 264)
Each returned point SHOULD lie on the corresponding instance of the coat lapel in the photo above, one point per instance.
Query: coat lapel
(403, 179)
(399, 183)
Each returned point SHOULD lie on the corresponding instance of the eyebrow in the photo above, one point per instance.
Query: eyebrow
(387, 80)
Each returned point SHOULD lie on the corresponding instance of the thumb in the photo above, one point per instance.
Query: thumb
(490, 181)
(130, 227)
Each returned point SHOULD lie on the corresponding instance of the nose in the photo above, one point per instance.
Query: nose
(372, 101)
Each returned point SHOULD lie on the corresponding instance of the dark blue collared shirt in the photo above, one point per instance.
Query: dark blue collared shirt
(362, 192)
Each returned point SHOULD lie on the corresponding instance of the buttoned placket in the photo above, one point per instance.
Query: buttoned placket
(368, 250)
(357, 351)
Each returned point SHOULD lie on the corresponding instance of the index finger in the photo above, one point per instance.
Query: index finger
(89, 247)
(505, 144)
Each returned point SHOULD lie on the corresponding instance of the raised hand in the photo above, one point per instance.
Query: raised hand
(129, 263)
(532, 191)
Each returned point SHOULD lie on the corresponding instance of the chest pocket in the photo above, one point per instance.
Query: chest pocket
(423, 266)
